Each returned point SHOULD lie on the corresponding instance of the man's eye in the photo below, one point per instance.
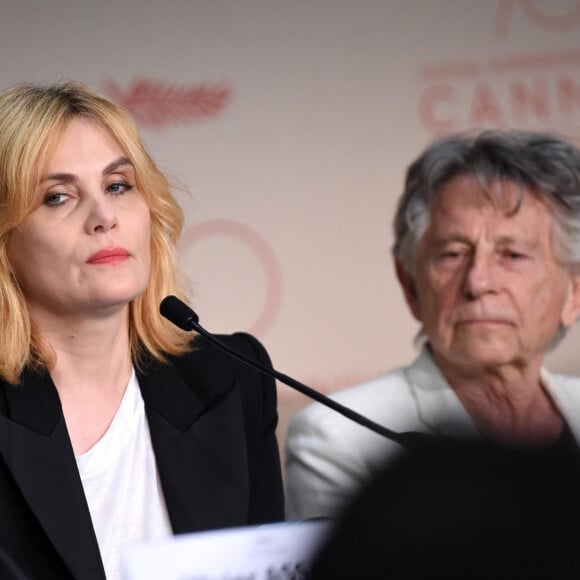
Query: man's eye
(450, 255)
(514, 255)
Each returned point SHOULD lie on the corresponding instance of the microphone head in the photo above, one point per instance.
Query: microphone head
(178, 312)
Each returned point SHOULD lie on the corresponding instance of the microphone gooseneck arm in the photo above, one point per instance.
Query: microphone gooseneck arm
(185, 318)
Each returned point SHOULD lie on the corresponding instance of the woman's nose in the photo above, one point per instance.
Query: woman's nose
(102, 216)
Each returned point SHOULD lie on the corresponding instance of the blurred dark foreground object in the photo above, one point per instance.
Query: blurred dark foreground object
(8, 568)
(462, 510)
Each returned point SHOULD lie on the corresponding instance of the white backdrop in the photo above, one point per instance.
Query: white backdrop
(288, 125)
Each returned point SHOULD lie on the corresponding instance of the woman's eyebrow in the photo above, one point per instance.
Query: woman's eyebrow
(71, 177)
(113, 166)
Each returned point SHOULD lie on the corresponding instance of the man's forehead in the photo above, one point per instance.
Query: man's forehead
(467, 189)
(464, 195)
(464, 210)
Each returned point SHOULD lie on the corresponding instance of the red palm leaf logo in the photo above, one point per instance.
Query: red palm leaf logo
(156, 103)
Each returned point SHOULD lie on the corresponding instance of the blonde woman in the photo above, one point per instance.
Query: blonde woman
(114, 425)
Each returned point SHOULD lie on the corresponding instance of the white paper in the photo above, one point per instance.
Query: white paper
(270, 552)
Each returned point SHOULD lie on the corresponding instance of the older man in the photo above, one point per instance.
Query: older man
(487, 251)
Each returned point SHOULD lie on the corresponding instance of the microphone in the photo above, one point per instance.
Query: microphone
(185, 318)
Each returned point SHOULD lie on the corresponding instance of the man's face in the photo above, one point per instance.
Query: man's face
(488, 288)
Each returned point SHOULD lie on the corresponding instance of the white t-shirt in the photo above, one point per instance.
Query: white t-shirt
(121, 483)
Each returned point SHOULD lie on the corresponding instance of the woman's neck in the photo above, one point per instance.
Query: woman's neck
(92, 369)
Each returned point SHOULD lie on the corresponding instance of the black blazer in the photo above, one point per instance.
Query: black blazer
(212, 423)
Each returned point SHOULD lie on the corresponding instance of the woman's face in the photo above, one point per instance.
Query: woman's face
(86, 248)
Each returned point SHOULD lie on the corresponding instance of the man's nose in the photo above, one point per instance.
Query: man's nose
(481, 275)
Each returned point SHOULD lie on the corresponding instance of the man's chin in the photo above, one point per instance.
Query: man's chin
(478, 357)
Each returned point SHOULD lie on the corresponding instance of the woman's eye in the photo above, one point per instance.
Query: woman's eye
(118, 188)
(54, 199)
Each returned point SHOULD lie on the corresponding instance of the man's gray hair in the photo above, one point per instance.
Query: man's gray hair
(543, 164)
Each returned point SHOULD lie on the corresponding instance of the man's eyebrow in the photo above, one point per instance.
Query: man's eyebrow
(504, 240)
(524, 241)
(71, 177)
(451, 238)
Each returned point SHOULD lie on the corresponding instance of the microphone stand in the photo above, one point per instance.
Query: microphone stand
(184, 317)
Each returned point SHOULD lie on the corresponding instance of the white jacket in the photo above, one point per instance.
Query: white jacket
(328, 457)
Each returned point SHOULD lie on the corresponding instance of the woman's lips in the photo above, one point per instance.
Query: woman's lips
(108, 256)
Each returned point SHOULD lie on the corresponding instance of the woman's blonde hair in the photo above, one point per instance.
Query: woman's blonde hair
(32, 120)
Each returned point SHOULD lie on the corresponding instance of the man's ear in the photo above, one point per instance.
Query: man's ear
(571, 309)
(407, 282)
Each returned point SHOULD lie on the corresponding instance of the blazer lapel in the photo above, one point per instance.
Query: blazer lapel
(438, 407)
(193, 409)
(35, 446)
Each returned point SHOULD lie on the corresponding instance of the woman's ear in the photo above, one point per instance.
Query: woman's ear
(571, 309)
(407, 282)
